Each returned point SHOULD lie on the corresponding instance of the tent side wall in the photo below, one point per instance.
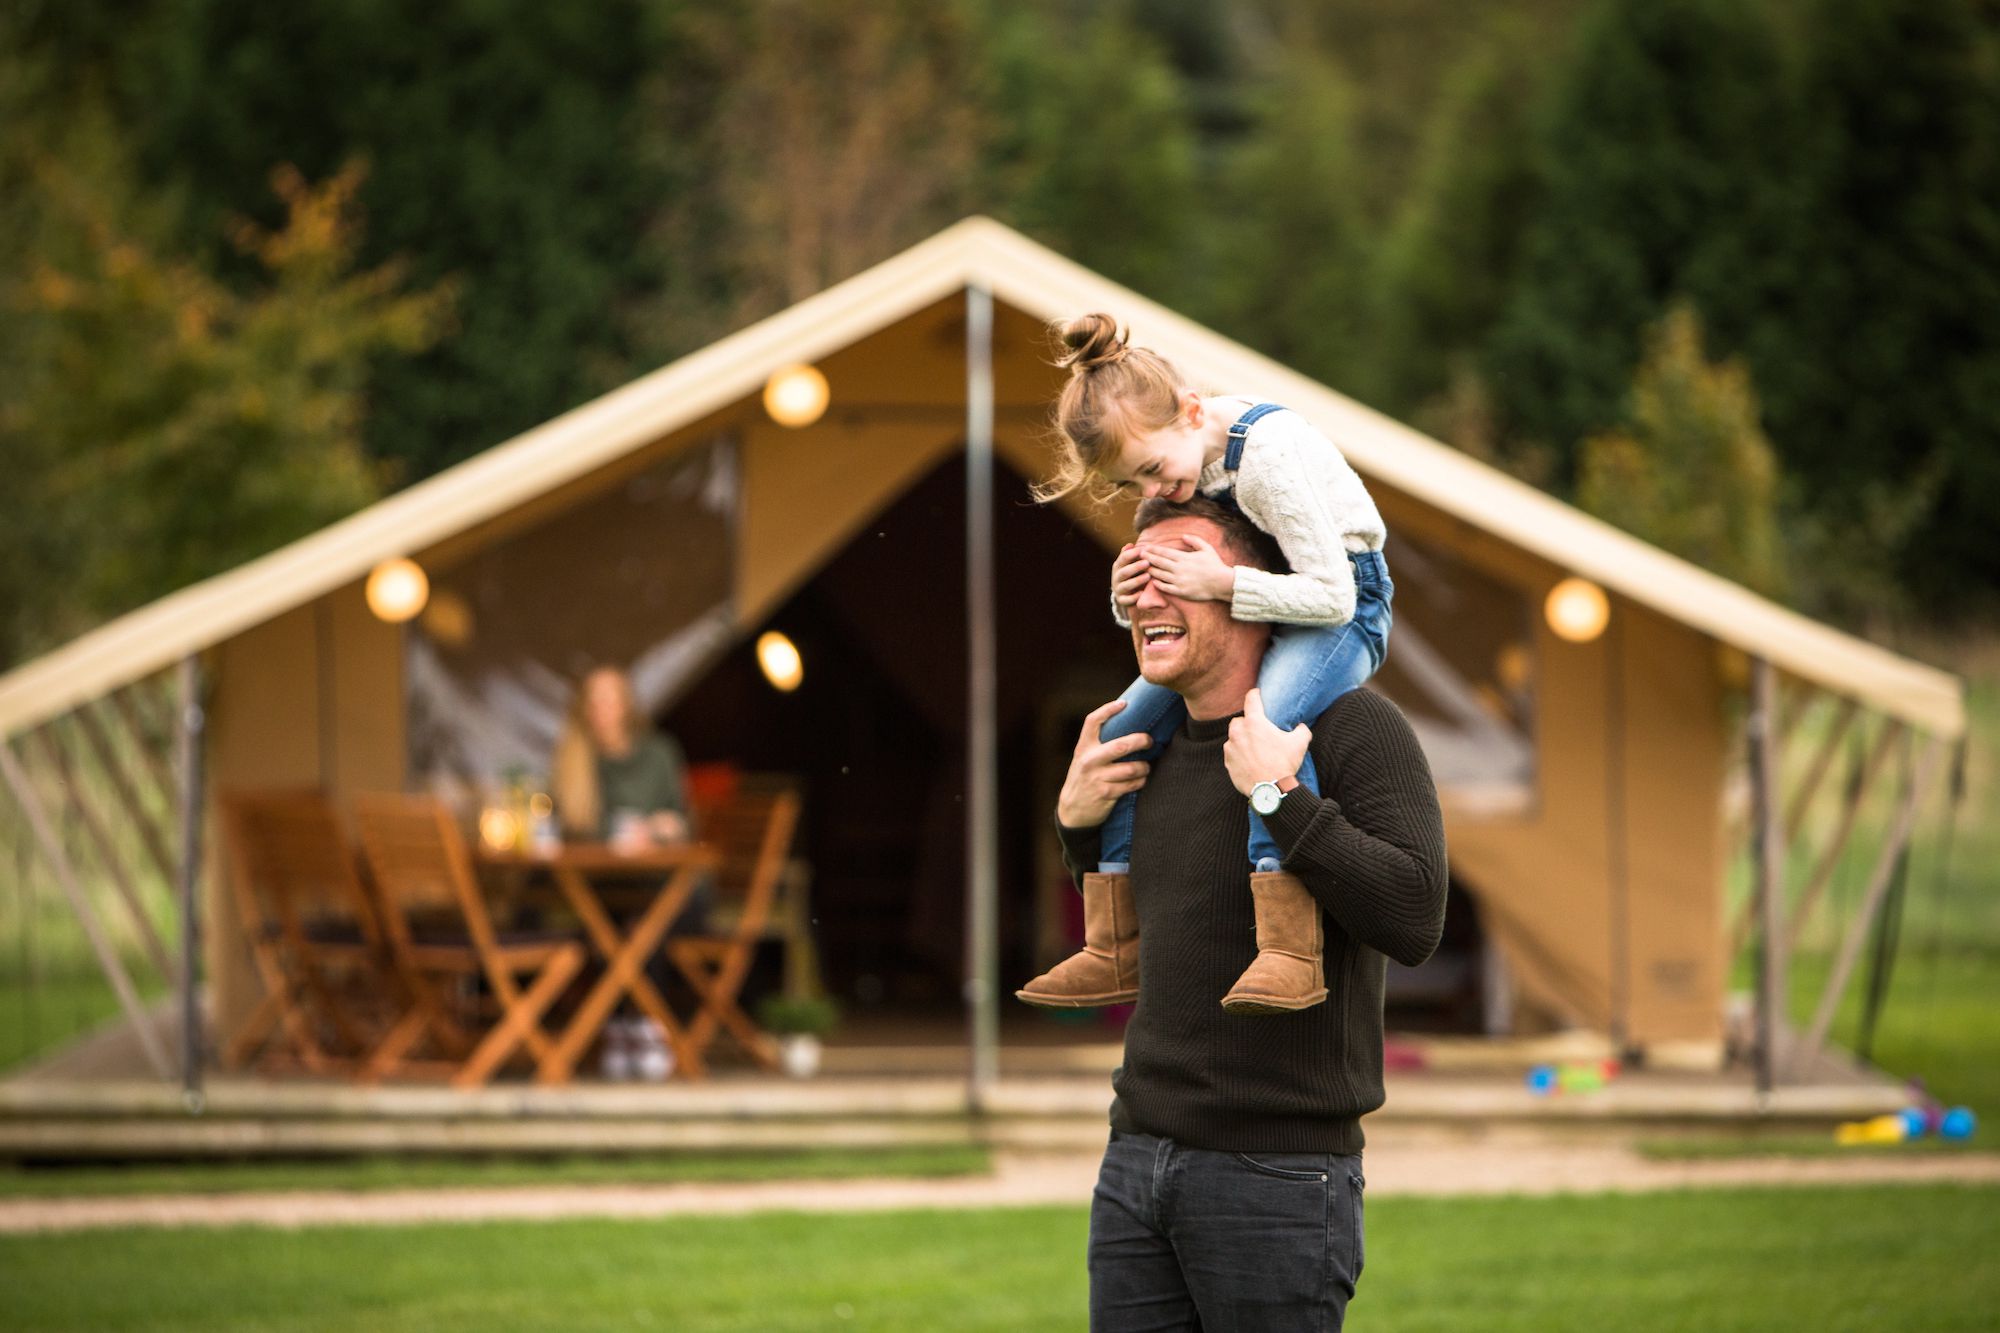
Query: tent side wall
(1605, 897)
(314, 697)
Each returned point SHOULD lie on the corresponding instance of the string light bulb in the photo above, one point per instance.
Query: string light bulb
(796, 396)
(779, 658)
(1577, 610)
(397, 590)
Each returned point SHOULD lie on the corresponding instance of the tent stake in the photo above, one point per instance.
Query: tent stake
(982, 785)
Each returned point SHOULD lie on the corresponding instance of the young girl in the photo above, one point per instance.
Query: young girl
(1131, 423)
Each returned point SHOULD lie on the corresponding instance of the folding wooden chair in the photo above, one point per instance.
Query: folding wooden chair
(312, 929)
(423, 867)
(753, 832)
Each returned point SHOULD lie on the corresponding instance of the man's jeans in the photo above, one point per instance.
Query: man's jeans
(1186, 1238)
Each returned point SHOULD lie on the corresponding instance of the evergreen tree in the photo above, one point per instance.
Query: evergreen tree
(1691, 471)
(160, 426)
(1450, 256)
(1293, 278)
(1093, 151)
(1880, 367)
(1663, 155)
(499, 136)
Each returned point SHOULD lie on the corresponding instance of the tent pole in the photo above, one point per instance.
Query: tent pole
(1768, 864)
(982, 785)
(193, 725)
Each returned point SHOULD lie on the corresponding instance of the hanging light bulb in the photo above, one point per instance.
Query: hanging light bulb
(796, 396)
(780, 660)
(1577, 610)
(397, 590)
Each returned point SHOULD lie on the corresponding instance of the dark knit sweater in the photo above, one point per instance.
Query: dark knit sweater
(1372, 852)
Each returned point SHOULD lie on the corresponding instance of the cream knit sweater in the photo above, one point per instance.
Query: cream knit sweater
(1294, 484)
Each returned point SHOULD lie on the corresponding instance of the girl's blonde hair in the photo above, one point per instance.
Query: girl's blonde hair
(1114, 389)
(579, 802)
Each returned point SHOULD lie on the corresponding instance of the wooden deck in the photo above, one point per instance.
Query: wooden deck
(885, 1084)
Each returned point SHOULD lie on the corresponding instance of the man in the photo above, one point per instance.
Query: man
(1230, 1196)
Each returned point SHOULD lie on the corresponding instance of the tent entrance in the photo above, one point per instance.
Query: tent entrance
(876, 732)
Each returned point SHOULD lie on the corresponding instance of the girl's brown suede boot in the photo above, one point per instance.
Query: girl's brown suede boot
(1286, 974)
(1106, 969)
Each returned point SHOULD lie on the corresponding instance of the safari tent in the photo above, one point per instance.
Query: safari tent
(1603, 754)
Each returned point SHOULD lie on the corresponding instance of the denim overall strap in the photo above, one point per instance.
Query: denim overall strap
(1234, 454)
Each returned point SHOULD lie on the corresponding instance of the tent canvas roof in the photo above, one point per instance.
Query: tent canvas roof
(1035, 280)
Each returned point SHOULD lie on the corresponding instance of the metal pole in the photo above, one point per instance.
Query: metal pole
(193, 726)
(1769, 869)
(981, 765)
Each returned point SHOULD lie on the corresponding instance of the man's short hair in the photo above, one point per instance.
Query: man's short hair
(1250, 544)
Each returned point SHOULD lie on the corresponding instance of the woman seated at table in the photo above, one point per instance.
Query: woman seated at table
(619, 781)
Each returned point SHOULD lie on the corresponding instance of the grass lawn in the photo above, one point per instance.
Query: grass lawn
(1826, 1259)
(388, 1173)
(38, 1019)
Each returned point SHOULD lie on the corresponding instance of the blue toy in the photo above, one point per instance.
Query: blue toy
(1958, 1123)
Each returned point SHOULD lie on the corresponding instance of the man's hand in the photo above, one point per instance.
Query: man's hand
(1128, 576)
(1257, 751)
(1194, 573)
(1100, 772)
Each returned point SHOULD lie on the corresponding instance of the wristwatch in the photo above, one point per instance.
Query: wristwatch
(1265, 797)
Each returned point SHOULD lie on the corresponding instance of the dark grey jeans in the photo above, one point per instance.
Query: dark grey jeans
(1188, 1238)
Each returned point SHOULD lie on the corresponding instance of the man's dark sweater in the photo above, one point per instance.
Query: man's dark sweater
(1371, 850)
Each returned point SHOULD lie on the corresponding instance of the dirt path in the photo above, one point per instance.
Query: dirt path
(1490, 1164)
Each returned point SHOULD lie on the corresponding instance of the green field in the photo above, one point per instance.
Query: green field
(1826, 1259)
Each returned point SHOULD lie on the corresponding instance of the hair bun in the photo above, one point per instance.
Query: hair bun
(1093, 340)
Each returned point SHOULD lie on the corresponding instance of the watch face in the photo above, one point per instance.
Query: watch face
(1264, 798)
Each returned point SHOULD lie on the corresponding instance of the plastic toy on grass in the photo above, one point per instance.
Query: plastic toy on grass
(1572, 1076)
(1958, 1123)
(1877, 1129)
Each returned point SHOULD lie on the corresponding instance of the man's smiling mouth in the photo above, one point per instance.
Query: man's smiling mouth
(1156, 635)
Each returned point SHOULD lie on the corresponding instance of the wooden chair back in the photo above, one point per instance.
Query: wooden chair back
(309, 921)
(422, 867)
(293, 867)
(753, 833)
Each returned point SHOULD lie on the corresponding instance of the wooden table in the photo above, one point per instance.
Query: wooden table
(576, 869)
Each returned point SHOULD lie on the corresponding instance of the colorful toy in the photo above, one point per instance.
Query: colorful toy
(1572, 1076)
(1877, 1129)
(1958, 1123)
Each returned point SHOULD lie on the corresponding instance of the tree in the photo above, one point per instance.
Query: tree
(1451, 254)
(1663, 152)
(807, 140)
(1880, 368)
(160, 426)
(1092, 148)
(1691, 470)
(1292, 277)
(501, 142)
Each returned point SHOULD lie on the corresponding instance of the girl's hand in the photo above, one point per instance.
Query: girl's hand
(1129, 574)
(1196, 574)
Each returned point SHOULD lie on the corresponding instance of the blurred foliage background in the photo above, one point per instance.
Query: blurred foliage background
(1722, 271)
